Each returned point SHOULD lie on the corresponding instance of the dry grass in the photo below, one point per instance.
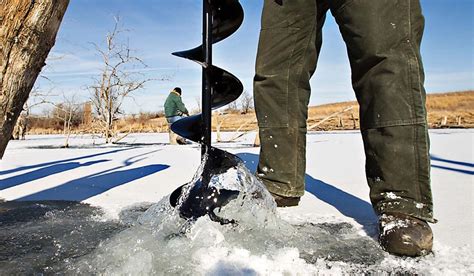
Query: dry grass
(451, 110)
(446, 110)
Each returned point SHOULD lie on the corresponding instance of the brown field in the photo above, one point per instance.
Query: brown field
(446, 110)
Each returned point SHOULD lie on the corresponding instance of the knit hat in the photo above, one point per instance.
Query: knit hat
(177, 90)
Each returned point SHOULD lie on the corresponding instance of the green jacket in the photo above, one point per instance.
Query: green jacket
(174, 106)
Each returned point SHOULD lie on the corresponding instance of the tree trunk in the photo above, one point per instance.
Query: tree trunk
(68, 134)
(28, 31)
(108, 128)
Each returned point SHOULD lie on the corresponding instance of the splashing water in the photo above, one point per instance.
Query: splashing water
(161, 242)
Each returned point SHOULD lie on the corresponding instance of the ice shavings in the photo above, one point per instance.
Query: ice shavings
(391, 195)
(392, 225)
(444, 261)
(419, 205)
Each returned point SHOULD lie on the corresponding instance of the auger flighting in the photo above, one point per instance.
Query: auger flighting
(221, 18)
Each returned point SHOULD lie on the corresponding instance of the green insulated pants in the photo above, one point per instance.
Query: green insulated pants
(383, 41)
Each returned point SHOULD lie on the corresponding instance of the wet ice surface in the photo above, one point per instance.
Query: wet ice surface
(47, 236)
(71, 238)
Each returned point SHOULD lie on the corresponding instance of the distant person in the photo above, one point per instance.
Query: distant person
(175, 110)
(383, 42)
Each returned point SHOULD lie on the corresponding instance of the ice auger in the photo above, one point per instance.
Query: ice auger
(221, 18)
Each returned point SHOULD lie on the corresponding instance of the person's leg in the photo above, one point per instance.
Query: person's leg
(173, 137)
(383, 39)
(287, 53)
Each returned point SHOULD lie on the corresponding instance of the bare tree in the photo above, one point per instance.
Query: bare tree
(232, 107)
(246, 102)
(69, 113)
(27, 33)
(120, 77)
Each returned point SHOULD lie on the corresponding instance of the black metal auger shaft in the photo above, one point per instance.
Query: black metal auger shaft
(206, 78)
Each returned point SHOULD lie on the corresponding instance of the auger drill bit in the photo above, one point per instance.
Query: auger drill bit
(221, 18)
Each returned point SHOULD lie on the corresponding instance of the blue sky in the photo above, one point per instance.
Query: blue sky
(159, 27)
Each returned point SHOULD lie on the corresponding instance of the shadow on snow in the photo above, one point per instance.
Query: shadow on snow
(44, 172)
(349, 205)
(92, 185)
(87, 186)
(453, 162)
(61, 161)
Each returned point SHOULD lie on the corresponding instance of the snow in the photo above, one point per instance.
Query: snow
(144, 168)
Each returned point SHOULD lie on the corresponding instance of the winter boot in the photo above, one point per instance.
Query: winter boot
(173, 137)
(283, 201)
(405, 235)
(181, 141)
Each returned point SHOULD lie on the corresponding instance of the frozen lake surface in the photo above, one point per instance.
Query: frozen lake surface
(102, 209)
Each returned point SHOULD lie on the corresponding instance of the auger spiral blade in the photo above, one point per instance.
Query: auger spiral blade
(221, 18)
(228, 15)
(200, 197)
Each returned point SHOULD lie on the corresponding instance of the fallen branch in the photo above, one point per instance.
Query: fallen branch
(123, 136)
(238, 135)
(330, 117)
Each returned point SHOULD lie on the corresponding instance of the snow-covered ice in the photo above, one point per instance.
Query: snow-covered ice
(332, 231)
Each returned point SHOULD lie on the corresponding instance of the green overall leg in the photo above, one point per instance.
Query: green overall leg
(289, 44)
(383, 40)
